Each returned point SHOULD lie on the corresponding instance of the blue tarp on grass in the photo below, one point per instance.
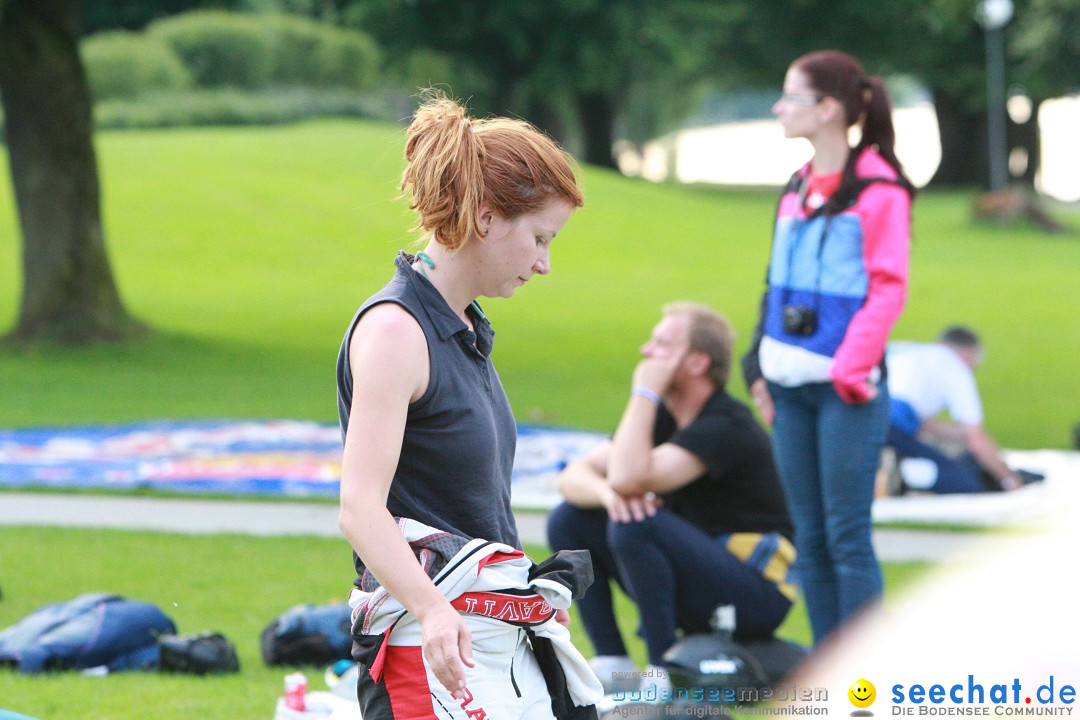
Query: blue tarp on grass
(9, 715)
(236, 457)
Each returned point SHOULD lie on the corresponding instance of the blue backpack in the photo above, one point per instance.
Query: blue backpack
(90, 631)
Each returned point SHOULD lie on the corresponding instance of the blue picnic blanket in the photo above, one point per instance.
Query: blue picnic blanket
(237, 457)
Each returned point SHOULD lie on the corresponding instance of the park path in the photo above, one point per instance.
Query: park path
(247, 517)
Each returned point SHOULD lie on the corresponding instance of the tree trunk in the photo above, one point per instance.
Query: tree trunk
(545, 115)
(964, 147)
(1026, 136)
(597, 113)
(68, 290)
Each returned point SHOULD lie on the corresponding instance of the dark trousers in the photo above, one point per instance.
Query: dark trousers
(954, 475)
(675, 572)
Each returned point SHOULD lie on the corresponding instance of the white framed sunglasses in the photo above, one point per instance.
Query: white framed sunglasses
(801, 98)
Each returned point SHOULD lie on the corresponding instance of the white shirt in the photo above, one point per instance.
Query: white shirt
(932, 378)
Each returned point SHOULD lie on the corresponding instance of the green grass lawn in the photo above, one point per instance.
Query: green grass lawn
(229, 583)
(248, 250)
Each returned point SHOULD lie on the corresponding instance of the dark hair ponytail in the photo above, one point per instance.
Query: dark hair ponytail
(865, 101)
(877, 126)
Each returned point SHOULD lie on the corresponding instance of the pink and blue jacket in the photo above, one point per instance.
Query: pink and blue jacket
(851, 267)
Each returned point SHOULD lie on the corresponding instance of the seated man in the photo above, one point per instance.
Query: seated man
(683, 506)
(926, 379)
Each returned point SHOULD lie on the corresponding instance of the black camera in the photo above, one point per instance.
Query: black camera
(800, 320)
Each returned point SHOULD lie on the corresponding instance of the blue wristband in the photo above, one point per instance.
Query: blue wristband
(646, 393)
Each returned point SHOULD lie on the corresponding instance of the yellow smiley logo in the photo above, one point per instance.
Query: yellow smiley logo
(862, 693)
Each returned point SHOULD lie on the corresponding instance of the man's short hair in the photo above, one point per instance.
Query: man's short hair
(960, 336)
(710, 333)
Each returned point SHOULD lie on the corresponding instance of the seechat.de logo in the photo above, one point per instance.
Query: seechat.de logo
(862, 695)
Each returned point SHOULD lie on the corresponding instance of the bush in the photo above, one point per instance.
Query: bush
(254, 51)
(233, 107)
(425, 67)
(220, 49)
(123, 64)
(295, 44)
(348, 59)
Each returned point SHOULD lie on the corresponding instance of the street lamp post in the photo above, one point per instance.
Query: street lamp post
(994, 15)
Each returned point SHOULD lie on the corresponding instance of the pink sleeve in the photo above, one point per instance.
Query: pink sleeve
(885, 212)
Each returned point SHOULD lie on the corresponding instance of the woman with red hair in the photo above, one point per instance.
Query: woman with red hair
(429, 434)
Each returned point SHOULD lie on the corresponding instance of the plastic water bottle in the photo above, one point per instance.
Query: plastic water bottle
(295, 689)
(723, 620)
(341, 678)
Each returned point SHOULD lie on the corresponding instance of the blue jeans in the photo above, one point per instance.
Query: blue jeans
(828, 452)
(675, 572)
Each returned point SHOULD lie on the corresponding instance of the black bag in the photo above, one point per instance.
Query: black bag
(201, 654)
(309, 635)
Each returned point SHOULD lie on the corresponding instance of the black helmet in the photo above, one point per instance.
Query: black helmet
(714, 661)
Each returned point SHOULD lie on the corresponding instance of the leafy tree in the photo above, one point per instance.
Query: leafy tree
(637, 65)
(489, 43)
(68, 289)
(569, 66)
(951, 61)
(101, 15)
(937, 41)
(1046, 48)
(903, 36)
(1042, 54)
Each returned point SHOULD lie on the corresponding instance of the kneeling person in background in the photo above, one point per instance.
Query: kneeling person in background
(926, 380)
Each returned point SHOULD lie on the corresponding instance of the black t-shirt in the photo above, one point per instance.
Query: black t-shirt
(740, 490)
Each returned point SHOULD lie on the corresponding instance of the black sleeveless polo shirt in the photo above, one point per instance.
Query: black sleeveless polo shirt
(458, 448)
